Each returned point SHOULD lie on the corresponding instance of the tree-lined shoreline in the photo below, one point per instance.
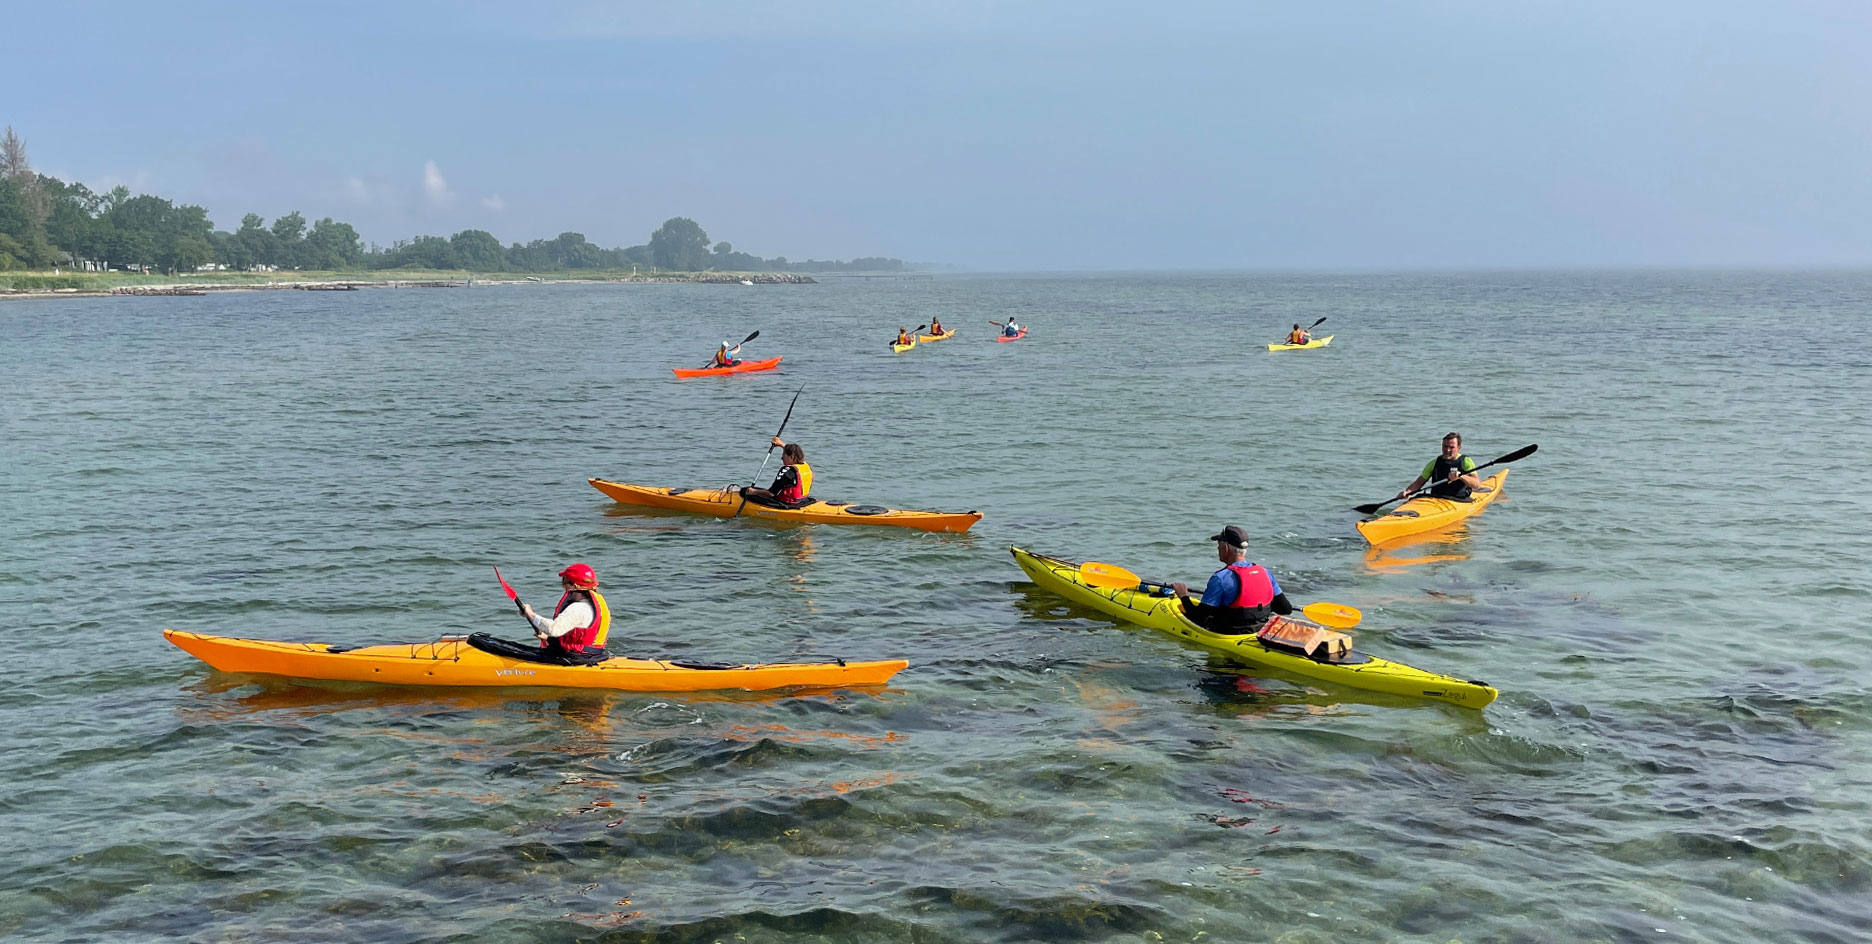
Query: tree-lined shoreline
(56, 230)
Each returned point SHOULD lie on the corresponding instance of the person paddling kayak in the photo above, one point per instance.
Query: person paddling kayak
(575, 635)
(725, 356)
(792, 487)
(1010, 329)
(1241, 596)
(936, 327)
(1453, 473)
(1299, 335)
(904, 336)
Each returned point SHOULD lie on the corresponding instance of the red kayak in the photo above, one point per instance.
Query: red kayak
(741, 368)
(1016, 337)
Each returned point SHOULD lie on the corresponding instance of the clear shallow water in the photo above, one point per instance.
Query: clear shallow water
(1671, 598)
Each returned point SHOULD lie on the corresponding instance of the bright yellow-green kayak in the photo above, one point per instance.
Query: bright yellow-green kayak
(1355, 670)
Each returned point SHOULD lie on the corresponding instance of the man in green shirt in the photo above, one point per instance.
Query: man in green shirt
(1453, 472)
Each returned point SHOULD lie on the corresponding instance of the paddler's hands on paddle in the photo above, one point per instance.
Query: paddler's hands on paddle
(1514, 456)
(1455, 475)
(1180, 589)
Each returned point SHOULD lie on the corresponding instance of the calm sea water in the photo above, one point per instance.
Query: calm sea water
(1672, 599)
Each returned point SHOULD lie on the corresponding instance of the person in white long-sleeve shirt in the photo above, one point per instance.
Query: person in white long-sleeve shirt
(580, 620)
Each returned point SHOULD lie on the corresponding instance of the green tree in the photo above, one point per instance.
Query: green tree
(229, 250)
(289, 240)
(478, 250)
(256, 242)
(680, 244)
(332, 245)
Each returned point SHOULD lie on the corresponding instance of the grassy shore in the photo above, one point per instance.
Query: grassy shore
(88, 283)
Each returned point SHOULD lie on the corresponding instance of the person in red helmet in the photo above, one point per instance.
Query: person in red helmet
(580, 621)
(574, 635)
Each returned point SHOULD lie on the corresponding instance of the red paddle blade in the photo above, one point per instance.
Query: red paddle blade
(511, 595)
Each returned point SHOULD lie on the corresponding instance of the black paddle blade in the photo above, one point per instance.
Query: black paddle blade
(750, 337)
(1317, 323)
(1518, 454)
(1371, 509)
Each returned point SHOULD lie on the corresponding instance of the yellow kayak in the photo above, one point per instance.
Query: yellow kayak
(1316, 342)
(946, 335)
(451, 660)
(1353, 670)
(723, 503)
(1429, 514)
(900, 348)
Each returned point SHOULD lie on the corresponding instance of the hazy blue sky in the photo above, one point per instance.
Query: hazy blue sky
(1003, 135)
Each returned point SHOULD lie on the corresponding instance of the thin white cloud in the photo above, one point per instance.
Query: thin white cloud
(494, 202)
(356, 190)
(434, 184)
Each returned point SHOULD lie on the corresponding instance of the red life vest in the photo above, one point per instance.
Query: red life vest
(802, 485)
(591, 635)
(1256, 588)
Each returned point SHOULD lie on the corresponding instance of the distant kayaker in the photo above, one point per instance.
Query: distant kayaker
(580, 622)
(1010, 329)
(1241, 596)
(725, 356)
(936, 330)
(792, 487)
(904, 336)
(1299, 335)
(1453, 472)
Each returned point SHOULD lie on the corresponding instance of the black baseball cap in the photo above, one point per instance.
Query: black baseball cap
(1232, 536)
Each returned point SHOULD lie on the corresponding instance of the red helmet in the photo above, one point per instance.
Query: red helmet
(581, 576)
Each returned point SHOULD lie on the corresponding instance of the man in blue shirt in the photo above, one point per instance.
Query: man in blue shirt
(1241, 596)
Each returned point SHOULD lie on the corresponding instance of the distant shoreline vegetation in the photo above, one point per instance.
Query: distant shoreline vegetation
(46, 223)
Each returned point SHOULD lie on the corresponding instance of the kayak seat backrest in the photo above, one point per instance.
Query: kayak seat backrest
(1307, 638)
(866, 510)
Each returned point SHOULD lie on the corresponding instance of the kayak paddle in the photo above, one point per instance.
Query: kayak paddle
(913, 334)
(1336, 615)
(511, 595)
(735, 348)
(763, 463)
(1313, 325)
(1112, 576)
(1514, 456)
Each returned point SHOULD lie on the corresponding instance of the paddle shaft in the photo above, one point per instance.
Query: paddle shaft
(1514, 456)
(770, 448)
(711, 361)
(515, 597)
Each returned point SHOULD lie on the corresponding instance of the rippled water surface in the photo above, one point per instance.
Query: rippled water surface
(1672, 599)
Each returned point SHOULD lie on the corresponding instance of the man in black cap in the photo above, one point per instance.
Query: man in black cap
(1241, 596)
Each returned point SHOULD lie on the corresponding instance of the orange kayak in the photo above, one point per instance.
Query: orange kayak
(722, 503)
(1018, 335)
(452, 661)
(741, 368)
